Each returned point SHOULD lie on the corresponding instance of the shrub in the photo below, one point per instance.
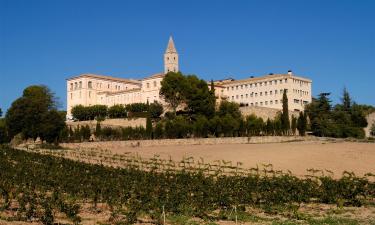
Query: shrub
(117, 111)
(201, 127)
(137, 107)
(159, 131)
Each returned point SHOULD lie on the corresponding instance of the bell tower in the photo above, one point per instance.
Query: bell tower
(170, 58)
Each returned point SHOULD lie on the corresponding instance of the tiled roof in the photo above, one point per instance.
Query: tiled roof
(262, 78)
(157, 75)
(102, 77)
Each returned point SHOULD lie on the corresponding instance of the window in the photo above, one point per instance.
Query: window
(276, 102)
(270, 92)
(281, 81)
(241, 86)
(275, 92)
(252, 94)
(241, 96)
(71, 95)
(256, 103)
(260, 84)
(265, 93)
(255, 84)
(232, 88)
(227, 88)
(270, 82)
(260, 93)
(236, 87)
(75, 86)
(236, 96)
(71, 86)
(247, 95)
(252, 104)
(232, 97)
(265, 83)
(108, 86)
(148, 85)
(261, 103)
(245, 85)
(251, 85)
(154, 83)
(89, 84)
(266, 102)
(286, 80)
(256, 94)
(89, 94)
(271, 102)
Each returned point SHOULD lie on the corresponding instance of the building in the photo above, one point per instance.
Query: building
(265, 91)
(92, 89)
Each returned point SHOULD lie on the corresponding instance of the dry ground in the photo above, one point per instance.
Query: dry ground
(294, 156)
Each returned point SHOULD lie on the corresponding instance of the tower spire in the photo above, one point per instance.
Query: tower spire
(170, 47)
(170, 57)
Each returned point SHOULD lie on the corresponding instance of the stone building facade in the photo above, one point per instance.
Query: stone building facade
(265, 91)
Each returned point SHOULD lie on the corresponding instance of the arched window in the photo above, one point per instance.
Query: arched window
(89, 84)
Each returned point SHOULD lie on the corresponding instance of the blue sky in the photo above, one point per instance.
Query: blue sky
(45, 42)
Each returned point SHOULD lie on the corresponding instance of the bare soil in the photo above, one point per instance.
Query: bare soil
(297, 157)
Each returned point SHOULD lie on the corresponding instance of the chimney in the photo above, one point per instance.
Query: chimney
(290, 72)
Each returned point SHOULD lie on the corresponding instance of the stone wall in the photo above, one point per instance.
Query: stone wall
(264, 112)
(188, 141)
(110, 123)
(370, 120)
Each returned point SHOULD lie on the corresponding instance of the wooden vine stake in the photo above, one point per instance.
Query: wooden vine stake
(235, 213)
(163, 215)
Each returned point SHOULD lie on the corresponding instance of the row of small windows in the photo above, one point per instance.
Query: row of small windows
(297, 101)
(301, 92)
(80, 95)
(252, 94)
(260, 84)
(264, 103)
(301, 82)
(78, 85)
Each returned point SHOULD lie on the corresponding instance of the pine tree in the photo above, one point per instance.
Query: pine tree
(346, 100)
(285, 123)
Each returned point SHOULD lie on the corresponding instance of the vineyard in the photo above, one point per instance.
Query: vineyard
(37, 186)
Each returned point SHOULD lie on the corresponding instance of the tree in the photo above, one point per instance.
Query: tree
(3, 132)
(159, 131)
(372, 130)
(346, 100)
(285, 123)
(302, 124)
(117, 111)
(26, 114)
(98, 130)
(201, 126)
(51, 127)
(155, 109)
(231, 108)
(199, 99)
(1, 113)
(294, 124)
(148, 128)
(173, 89)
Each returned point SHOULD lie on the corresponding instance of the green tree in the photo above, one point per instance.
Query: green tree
(254, 125)
(173, 89)
(27, 113)
(346, 100)
(98, 130)
(4, 138)
(85, 133)
(148, 128)
(294, 125)
(155, 109)
(372, 130)
(199, 99)
(215, 126)
(302, 124)
(79, 112)
(117, 111)
(201, 126)
(51, 127)
(230, 108)
(285, 123)
(159, 131)
(1, 113)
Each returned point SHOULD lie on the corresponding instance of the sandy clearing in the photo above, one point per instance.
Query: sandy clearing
(294, 156)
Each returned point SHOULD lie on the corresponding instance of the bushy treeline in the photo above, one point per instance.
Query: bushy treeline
(100, 112)
(342, 120)
(226, 122)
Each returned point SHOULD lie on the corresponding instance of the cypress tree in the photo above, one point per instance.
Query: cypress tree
(302, 123)
(285, 123)
(294, 124)
(148, 128)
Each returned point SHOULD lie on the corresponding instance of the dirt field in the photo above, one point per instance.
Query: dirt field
(294, 156)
